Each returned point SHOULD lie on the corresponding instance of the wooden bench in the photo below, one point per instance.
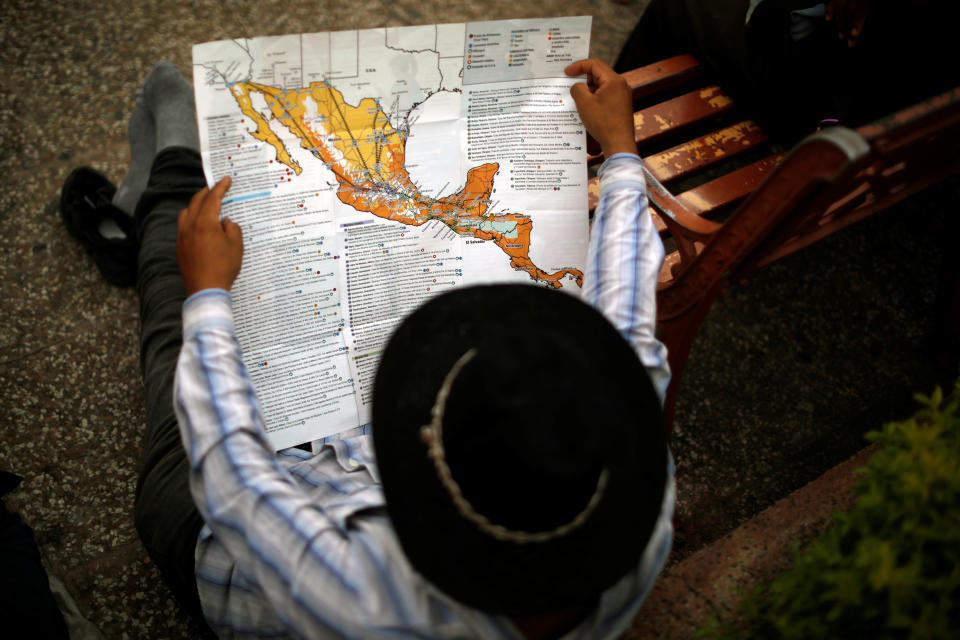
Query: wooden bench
(727, 202)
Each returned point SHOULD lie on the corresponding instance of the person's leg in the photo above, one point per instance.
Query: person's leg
(166, 518)
(165, 515)
(27, 602)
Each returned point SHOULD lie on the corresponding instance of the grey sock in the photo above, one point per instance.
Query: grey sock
(142, 135)
(169, 97)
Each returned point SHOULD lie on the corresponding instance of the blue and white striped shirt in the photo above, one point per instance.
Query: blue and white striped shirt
(299, 544)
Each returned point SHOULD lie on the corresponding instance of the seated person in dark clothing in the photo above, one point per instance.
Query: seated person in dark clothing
(793, 63)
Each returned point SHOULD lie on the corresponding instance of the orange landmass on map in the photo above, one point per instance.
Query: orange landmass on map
(367, 156)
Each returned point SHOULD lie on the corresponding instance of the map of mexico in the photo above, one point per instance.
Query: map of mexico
(366, 154)
(375, 169)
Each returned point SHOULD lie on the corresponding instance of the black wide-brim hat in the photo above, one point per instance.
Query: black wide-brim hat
(554, 398)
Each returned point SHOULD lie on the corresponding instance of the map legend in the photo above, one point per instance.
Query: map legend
(507, 50)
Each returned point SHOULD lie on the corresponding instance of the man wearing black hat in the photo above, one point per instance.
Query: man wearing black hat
(517, 482)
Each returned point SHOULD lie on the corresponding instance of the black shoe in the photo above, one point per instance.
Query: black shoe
(85, 202)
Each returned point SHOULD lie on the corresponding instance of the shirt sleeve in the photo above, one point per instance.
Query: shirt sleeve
(624, 258)
(301, 557)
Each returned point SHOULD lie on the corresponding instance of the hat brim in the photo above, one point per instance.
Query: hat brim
(467, 564)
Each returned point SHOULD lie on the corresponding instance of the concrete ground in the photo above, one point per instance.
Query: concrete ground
(788, 371)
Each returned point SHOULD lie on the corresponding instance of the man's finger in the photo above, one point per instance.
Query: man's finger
(578, 92)
(221, 187)
(842, 18)
(210, 207)
(233, 231)
(578, 68)
(858, 21)
(194, 206)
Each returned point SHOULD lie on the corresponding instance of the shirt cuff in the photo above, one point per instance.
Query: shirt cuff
(206, 309)
(621, 170)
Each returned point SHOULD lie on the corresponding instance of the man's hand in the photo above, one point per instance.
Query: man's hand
(849, 17)
(605, 105)
(209, 251)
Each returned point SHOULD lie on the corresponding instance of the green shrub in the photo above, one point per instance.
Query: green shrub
(888, 568)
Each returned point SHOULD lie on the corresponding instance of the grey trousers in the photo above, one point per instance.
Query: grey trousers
(164, 512)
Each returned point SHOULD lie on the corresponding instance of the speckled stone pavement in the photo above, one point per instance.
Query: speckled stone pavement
(787, 373)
